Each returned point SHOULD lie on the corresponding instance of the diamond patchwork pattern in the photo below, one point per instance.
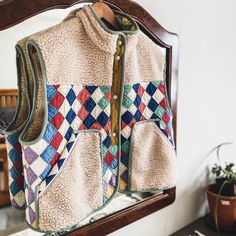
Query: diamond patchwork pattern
(58, 163)
(142, 101)
(16, 178)
(88, 107)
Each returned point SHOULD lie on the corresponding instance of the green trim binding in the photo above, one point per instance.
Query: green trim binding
(19, 54)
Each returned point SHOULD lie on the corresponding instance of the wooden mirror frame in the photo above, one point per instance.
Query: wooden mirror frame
(13, 12)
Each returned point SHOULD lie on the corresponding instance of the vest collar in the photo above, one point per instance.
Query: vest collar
(104, 37)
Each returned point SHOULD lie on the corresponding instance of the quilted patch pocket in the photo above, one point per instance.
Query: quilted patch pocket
(152, 163)
(76, 190)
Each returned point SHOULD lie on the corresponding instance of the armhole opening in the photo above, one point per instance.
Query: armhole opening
(36, 122)
(22, 108)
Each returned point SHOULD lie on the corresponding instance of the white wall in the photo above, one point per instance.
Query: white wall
(207, 96)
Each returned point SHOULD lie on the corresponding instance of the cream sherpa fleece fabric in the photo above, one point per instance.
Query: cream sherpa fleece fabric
(153, 160)
(80, 43)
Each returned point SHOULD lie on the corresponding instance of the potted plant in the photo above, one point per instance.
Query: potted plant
(221, 195)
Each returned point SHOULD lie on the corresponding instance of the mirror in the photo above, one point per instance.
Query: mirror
(13, 220)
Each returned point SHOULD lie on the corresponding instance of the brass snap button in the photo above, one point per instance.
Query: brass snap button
(117, 58)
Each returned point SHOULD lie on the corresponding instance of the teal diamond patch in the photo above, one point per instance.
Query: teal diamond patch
(105, 89)
(127, 102)
(162, 124)
(104, 150)
(113, 149)
(159, 111)
(125, 147)
(155, 83)
(103, 103)
(127, 89)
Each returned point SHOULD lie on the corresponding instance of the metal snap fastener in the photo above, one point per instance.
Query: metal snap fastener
(115, 97)
(117, 58)
(119, 42)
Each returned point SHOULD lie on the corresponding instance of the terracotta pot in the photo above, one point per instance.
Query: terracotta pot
(226, 211)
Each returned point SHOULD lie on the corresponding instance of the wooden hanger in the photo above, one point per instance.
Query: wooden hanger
(102, 10)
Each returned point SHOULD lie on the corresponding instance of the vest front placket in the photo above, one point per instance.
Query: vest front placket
(117, 96)
(116, 90)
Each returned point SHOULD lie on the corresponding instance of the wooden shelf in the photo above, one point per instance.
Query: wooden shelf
(201, 226)
(4, 196)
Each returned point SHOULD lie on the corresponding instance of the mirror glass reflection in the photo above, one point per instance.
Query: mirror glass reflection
(12, 221)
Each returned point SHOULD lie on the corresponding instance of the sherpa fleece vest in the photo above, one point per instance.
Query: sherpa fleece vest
(101, 121)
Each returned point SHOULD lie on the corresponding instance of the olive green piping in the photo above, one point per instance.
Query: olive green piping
(130, 161)
(20, 54)
(29, 44)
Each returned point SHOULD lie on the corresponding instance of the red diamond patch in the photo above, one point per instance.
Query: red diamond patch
(57, 100)
(140, 91)
(108, 158)
(161, 88)
(164, 104)
(83, 96)
(165, 118)
(57, 120)
(141, 107)
(55, 159)
(56, 141)
(82, 113)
